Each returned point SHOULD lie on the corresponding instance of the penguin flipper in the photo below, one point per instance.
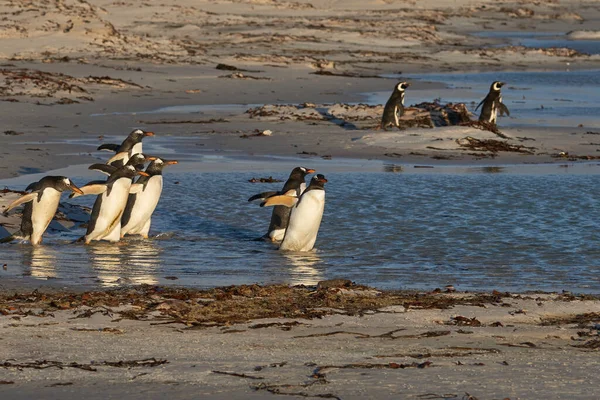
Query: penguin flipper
(90, 188)
(109, 147)
(118, 157)
(21, 200)
(503, 109)
(104, 168)
(282, 200)
(479, 105)
(263, 195)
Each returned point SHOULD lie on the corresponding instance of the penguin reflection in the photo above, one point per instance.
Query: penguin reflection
(303, 271)
(117, 265)
(42, 261)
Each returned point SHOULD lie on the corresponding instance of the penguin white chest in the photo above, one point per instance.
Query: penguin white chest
(141, 206)
(43, 210)
(305, 221)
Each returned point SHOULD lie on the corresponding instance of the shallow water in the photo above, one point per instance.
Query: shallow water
(534, 98)
(481, 228)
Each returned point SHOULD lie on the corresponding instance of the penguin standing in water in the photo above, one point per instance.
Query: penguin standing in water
(130, 146)
(40, 206)
(492, 104)
(394, 108)
(105, 221)
(305, 219)
(281, 214)
(137, 216)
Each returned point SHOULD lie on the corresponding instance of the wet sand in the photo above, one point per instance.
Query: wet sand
(77, 74)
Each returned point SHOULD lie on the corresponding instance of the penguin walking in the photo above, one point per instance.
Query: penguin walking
(281, 214)
(130, 146)
(40, 206)
(105, 221)
(394, 108)
(305, 219)
(140, 206)
(492, 104)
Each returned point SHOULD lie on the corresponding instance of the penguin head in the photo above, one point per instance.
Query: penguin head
(127, 171)
(496, 86)
(139, 134)
(156, 166)
(401, 87)
(138, 160)
(62, 183)
(301, 172)
(318, 181)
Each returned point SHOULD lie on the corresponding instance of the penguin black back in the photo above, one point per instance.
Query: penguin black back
(492, 104)
(394, 108)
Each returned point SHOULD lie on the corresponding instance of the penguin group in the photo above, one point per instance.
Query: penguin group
(491, 105)
(122, 207)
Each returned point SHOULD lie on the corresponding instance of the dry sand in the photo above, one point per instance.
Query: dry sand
(78, 73)
(338, 341)
(65, 62)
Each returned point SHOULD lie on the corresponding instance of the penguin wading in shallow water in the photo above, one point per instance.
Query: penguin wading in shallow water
(40, 206)
(137, 216)
(492, 104)
(105, 221)
(281, 214)
(394, 108)
(305, 219)
(130, 146)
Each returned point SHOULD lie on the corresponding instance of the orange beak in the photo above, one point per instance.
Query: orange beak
(148, 133)
(171, 162)
(142, 173)
(311, 171)
(75, 189)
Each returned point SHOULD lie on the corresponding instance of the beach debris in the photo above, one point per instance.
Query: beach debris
(462, 321)
(237, 374)
(257, 133)
(492, 145)
(13, 133)
(270, 179)
(239, 75)
(485, 126)
(183, 121)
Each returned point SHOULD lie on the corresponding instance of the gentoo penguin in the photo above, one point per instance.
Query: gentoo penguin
(137, 161)
(131, 145)
(394, 108)
(492, 104)
(137, 216)
(281, 214)
(40, 206)
(105, 221)
(307, 212)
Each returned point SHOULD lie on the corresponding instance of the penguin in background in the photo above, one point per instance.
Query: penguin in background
(492, 103)
(40, 206)
(105, 221)
(394, 108)
(281, 214)
(140, 206)
(130, 146)
(305, 219)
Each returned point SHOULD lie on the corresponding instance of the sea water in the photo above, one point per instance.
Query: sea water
(517, 228)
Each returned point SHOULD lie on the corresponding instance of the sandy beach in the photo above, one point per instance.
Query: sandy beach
(208, 77)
